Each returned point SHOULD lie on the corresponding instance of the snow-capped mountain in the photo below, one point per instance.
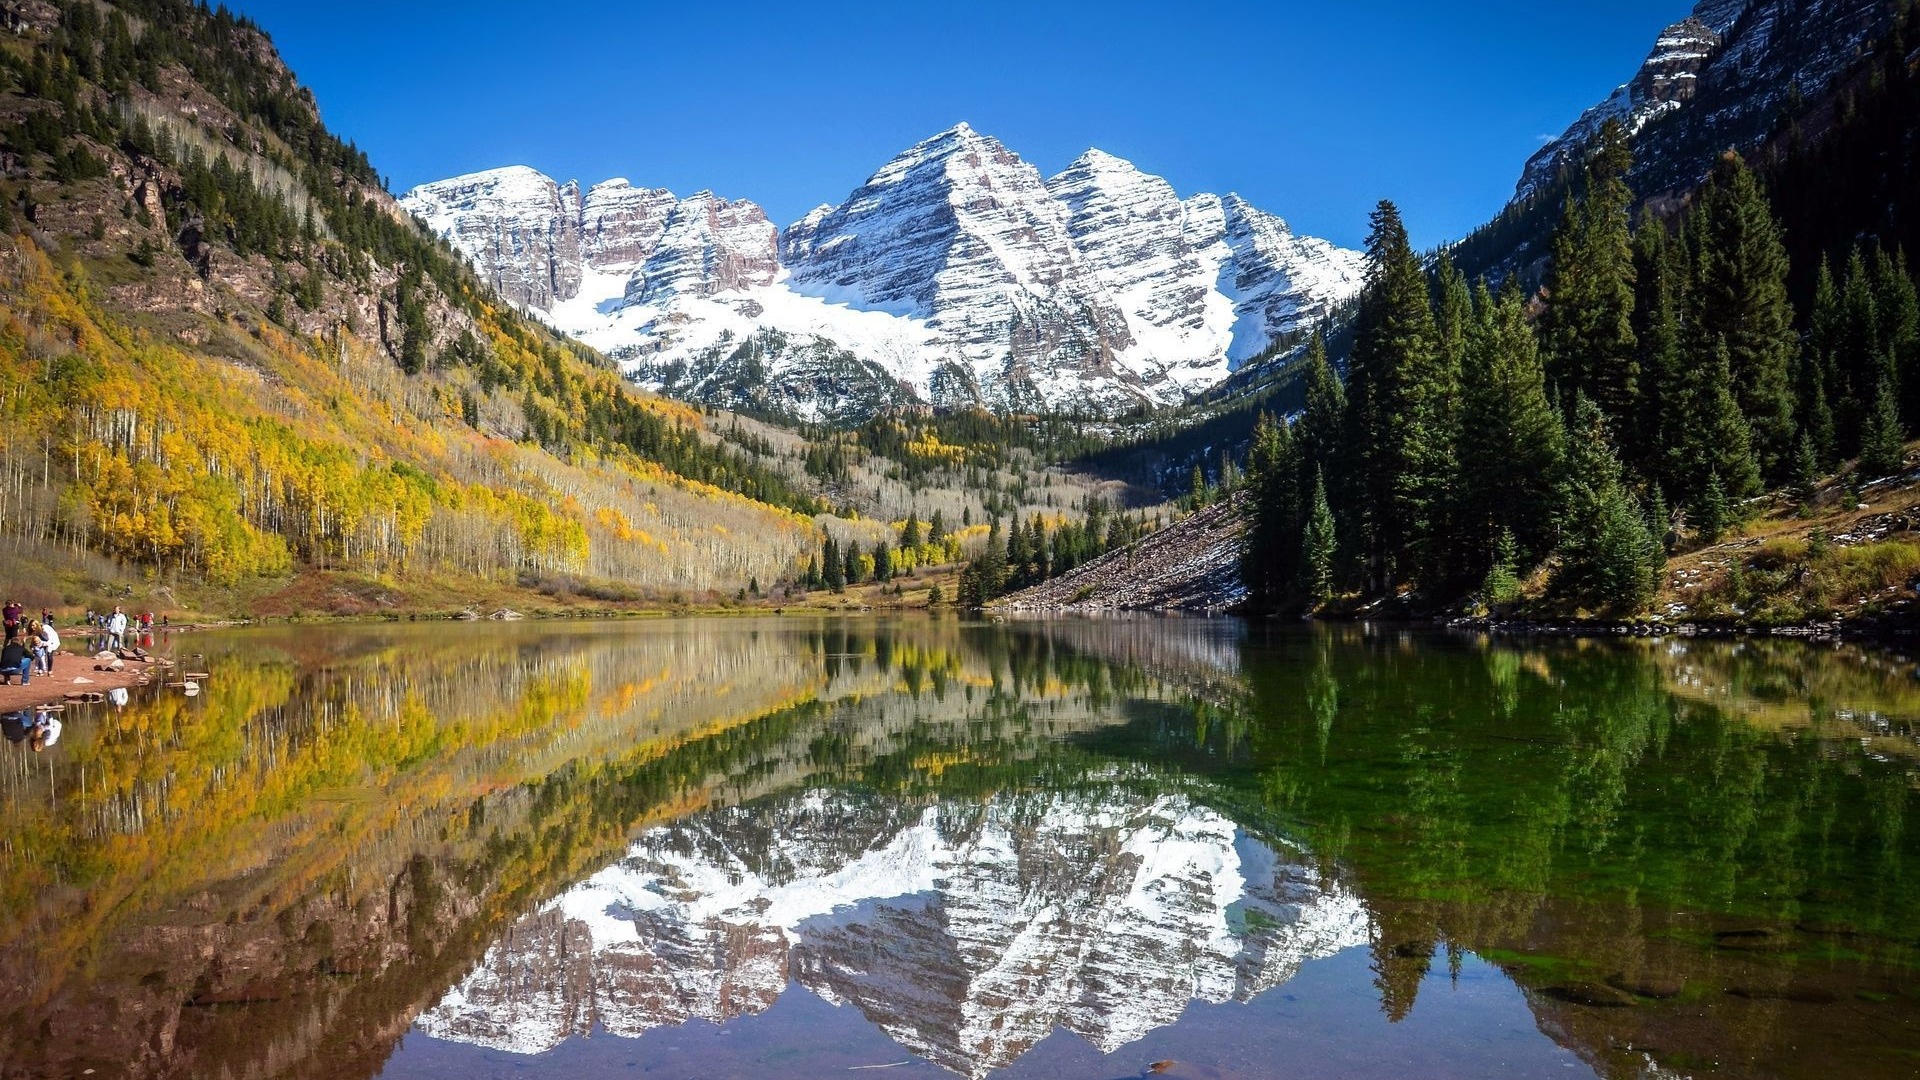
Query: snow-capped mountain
(967, 931)
(1722, 74)
(955, 273)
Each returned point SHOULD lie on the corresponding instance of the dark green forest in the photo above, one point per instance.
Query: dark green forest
(1666, 371)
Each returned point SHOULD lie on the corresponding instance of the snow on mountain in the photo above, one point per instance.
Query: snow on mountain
(1725, 70)
(967, 931)
(954, 274)
(518, 227)
(1205, 282)
(1665, 82)
(961, 232)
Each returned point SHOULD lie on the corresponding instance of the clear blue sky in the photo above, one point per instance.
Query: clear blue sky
(1313, 111)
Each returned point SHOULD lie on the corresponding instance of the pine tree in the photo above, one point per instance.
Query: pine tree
(1273, 532)
(1742, 299)
(1608, 562)
(1318, 433)
(1317, 547)
(1882, 449)
(1511, 447)
(1197, 488)
(1660, 261)
(992, 564)
(1659, 520)
(1018, 557)
(1711, 513)
(833, 568)
(1590, 284)
(1899, 331)
(1857, 358)
(1806, 471)
(1502, 584)
(1389, 384)
(1708, 434)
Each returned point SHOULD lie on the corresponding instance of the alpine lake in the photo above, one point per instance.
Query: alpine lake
(927, 847)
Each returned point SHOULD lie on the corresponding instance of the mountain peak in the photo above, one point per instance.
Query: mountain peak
(1098, 160)
(956, 269)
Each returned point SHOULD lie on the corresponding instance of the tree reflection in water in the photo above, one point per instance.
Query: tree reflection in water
(1682, 852)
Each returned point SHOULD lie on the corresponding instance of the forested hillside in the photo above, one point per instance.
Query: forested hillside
(228, 355)
(1559, 444)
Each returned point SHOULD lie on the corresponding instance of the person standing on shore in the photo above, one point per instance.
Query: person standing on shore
(10, 616)
(117, 629)
(46, 642)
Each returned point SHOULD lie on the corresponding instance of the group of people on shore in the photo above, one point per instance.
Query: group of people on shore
(29, 644)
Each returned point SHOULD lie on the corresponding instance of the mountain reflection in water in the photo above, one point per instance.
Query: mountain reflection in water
(966, 930)
(1044, 848)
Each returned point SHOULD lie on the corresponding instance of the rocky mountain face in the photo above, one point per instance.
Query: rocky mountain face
(955, 274)
(966, 930)
(1717, 80)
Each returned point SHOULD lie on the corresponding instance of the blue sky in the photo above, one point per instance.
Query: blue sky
(1313, 111)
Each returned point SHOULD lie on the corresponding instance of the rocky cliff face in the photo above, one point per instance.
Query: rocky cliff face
(955, 273)
(520, 229)
(967, 931)
(1715, 80)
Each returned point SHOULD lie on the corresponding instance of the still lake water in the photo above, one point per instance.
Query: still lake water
(808, 848)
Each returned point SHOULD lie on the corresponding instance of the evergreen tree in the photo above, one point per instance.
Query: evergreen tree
(1389, 439)
(1708, 435)
(1742, 299)
(993, 563)
(1817, 435)
(833, 568)
(1659, 521)
(1018, 556)
(1806, 471)
(1899, 331)
(1511, 448)
(1318, 433)
(1711, 512)
(1318, 546)
(1857, 358)
(1660, 262)
(1273, 530)
(1502, 584)
(1590, 284)
(1882, 449)
(1608, 562)
(1197, 488)
(1453, 313)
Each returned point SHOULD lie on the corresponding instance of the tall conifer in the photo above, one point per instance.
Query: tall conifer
(1511, 441)
(1317, 546)
(1590, 284)
(1742, 299)
(1390, 386)
(1608, 560)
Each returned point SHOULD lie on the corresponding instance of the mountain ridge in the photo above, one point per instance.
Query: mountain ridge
(956, 274)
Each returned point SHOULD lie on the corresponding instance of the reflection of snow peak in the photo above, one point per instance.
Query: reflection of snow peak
(966, 931)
